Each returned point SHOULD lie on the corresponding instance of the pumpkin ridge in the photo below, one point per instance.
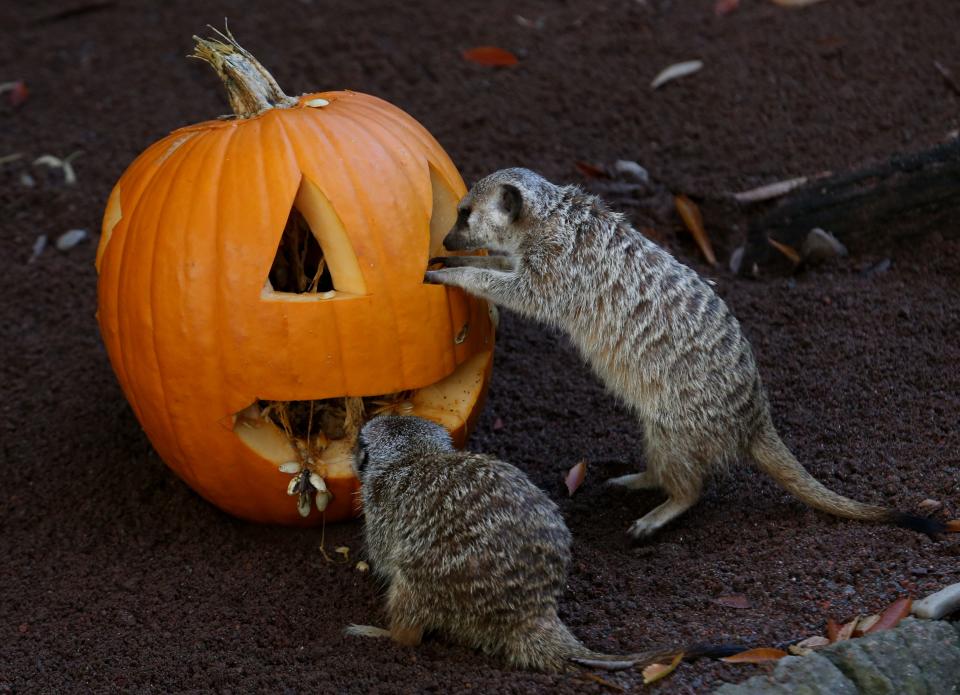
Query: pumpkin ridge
(164, 175)
(216, 145)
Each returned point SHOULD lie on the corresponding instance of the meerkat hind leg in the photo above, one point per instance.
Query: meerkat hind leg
(635, 481)
(653, 521)
(682, 483)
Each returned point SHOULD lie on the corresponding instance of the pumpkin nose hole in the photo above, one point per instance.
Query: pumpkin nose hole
(314, 256)
(299, 265)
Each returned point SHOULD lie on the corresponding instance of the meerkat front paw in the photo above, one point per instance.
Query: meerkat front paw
(640, 530)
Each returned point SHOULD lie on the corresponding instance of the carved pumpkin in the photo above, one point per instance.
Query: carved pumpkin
(261, 292)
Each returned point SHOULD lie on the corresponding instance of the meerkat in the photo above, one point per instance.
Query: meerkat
(650, 327)
(468, 548)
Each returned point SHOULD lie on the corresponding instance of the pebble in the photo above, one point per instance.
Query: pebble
(38, 246)
(936, 606)
(68, 240)
(632, 170)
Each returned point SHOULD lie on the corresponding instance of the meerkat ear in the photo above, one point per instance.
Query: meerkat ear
(511, 201)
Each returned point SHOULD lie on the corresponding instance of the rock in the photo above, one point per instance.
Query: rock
(38, 246)
(795, 675)
(820, 246)
(938, 605)
(736, 260)
(916, 657)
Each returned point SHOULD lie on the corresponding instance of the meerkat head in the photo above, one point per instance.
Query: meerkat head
(391, 439)
(500, 211)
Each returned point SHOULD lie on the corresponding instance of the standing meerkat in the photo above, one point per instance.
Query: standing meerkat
(651, 328)
(468, 547)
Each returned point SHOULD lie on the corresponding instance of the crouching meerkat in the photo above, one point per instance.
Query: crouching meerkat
(468, 547)
(652, 329)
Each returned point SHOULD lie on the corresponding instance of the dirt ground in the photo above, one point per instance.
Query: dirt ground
(115, 576)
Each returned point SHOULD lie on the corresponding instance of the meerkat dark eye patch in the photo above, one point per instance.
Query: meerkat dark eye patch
(511, 201)
(463, 214)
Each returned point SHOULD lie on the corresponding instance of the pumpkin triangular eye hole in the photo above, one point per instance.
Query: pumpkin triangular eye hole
(300, 266)
(314, 257)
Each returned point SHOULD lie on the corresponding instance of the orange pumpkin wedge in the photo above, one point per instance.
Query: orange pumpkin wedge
(273, 259)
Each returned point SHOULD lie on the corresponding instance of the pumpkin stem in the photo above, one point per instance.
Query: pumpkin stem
(250, 87)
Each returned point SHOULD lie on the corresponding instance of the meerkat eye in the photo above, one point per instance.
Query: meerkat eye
(463, 214)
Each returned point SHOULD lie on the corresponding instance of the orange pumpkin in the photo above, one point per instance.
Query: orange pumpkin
(215, 358)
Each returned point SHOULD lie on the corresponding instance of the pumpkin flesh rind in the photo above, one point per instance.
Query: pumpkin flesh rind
(182, 310)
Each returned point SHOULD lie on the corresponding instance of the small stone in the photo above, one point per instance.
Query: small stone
(27, 181)
(820, 246)
(498, 424)
(362, 566)
(880, 266)
(68, 240)
(929, 505)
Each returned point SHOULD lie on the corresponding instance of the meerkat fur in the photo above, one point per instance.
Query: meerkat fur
(651, 328)
(468, 548)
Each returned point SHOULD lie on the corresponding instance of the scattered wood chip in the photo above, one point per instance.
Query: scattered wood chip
(343, 550)
(68, 240)
(38, 246)
(846, 631)
(362, 566)
(65, 164)
(929, 505)
(892, 615)
(676, 71)
(738, 601)
(795, 3)
(491, 56)
(725, 7)
(529, 23)
(590, 171)
(690, 214)
(7, 158)
(940, 604)
(17, 92)
(756, 656)
(654, 672)
(947, 75)
(769, 191)
(575, 477)
(787, 251)
(814, 642)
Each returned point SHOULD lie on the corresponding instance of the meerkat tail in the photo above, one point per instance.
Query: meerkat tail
(775, 459)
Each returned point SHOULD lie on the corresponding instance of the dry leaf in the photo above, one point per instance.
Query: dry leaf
(892, 615)
(692, 218)
(769, 191)
(654, 672)
(591, 171)
(952, 526)
(491, 56)
(756, 656)
(867, 623)
(736, 601)
(804, 647)
(343, 550)
(675, 71)
(575, 476)
(787, 251)
(795, 3)
(725, 7)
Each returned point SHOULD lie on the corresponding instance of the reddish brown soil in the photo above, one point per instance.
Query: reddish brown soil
(116, 576)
